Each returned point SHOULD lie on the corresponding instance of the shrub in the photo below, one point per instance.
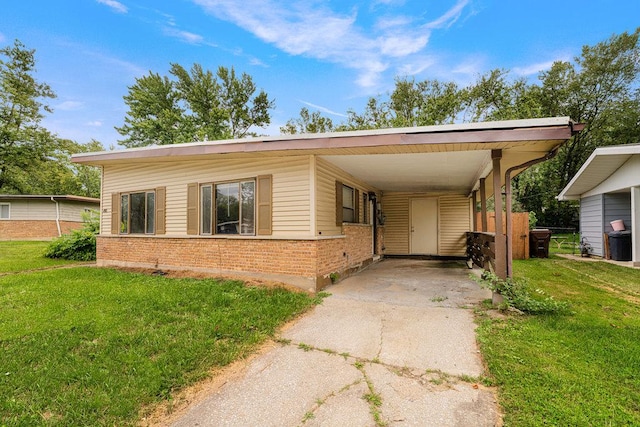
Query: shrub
(518, 294)
(79, 245)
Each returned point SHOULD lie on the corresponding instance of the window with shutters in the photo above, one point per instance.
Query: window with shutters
(241, 207)
(228, 208)
(137, 212)
(348, 204)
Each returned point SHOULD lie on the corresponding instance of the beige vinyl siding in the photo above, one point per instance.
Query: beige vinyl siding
(395, 207)
(45, 209)
(326, 177)
(33, 210)
(454, 220)
(290, 188)
(72, 211)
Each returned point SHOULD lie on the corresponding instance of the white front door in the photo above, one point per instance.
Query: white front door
(424, 226)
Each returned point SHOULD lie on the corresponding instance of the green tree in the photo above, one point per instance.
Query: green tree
(24, 144)
(308, 123)
(600, 89)
(154, 116)
(194, 105)
(32, 160)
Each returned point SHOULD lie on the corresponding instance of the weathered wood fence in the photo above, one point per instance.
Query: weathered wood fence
(520, 235)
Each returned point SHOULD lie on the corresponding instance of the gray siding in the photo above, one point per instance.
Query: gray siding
(591, 222)
(617, 206)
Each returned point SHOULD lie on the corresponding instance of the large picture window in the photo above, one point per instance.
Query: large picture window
(137, 213)
(235, 208)
(241, 207)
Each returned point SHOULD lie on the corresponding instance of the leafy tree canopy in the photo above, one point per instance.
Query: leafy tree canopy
(193, 105)
(33, 160)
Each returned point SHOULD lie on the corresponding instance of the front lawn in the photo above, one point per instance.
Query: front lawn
(25, 255)
(580, 369)
(89, 346)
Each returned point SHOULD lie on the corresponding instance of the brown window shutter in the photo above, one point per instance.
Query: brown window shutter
(115, 213)
(161, 202)
(338, 203)
(192, 208)
(356, 206)
(265, 210)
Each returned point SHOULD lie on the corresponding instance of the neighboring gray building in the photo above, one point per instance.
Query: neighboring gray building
(608, 187)
(42, 217)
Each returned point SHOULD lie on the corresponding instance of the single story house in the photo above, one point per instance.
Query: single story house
(40, 217)
(305, 209)
(608, 187)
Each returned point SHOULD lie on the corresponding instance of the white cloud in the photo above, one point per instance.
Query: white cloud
(312, 29)
(70, 105)
(116, 6)
(323, 109)
(3, 38)
(94, 123)
(416, 66)
(450, 17)
(185, 36)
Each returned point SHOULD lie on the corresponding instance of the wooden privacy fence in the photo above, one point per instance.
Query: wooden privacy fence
(520, 228)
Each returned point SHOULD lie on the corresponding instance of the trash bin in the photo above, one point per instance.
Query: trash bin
(539, 242)
(620, 245)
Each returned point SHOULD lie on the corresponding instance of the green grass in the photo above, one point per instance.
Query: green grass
(25, 255)
(90, 346)
(568, 243)
(580, 369)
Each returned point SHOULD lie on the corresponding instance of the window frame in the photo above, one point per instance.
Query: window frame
(147, 214)
(213, 206)
(8, 205)
(351, 209)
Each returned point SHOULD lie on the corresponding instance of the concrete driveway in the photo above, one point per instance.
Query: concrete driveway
(393, 345)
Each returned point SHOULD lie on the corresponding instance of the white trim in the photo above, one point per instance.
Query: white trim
(625, 151)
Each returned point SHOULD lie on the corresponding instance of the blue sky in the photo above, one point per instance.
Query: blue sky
(327, 55)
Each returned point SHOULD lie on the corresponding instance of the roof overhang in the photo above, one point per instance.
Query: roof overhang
(600, 165)
(67, 198)
(448, 158)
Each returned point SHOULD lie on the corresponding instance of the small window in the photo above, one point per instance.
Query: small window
(137, 213)
(348, 204)
(5, 210)
(235, 208)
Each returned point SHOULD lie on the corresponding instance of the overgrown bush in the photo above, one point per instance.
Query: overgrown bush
(519, 295)
(79, 245)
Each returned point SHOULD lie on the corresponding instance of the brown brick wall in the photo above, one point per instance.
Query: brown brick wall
(34, 230)
(289, 257)
(310, 260)
(337, 255)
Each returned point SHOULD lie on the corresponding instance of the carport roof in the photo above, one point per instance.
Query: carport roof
(602, 163)
(447, 158)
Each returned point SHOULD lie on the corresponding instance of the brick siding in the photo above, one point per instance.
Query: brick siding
(304, 263)
(34, 230)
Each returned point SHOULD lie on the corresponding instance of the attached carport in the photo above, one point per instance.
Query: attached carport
(469, 160)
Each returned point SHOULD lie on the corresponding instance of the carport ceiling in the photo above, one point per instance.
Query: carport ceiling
(455, 171)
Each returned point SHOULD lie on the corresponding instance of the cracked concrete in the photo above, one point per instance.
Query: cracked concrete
(400, 332)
